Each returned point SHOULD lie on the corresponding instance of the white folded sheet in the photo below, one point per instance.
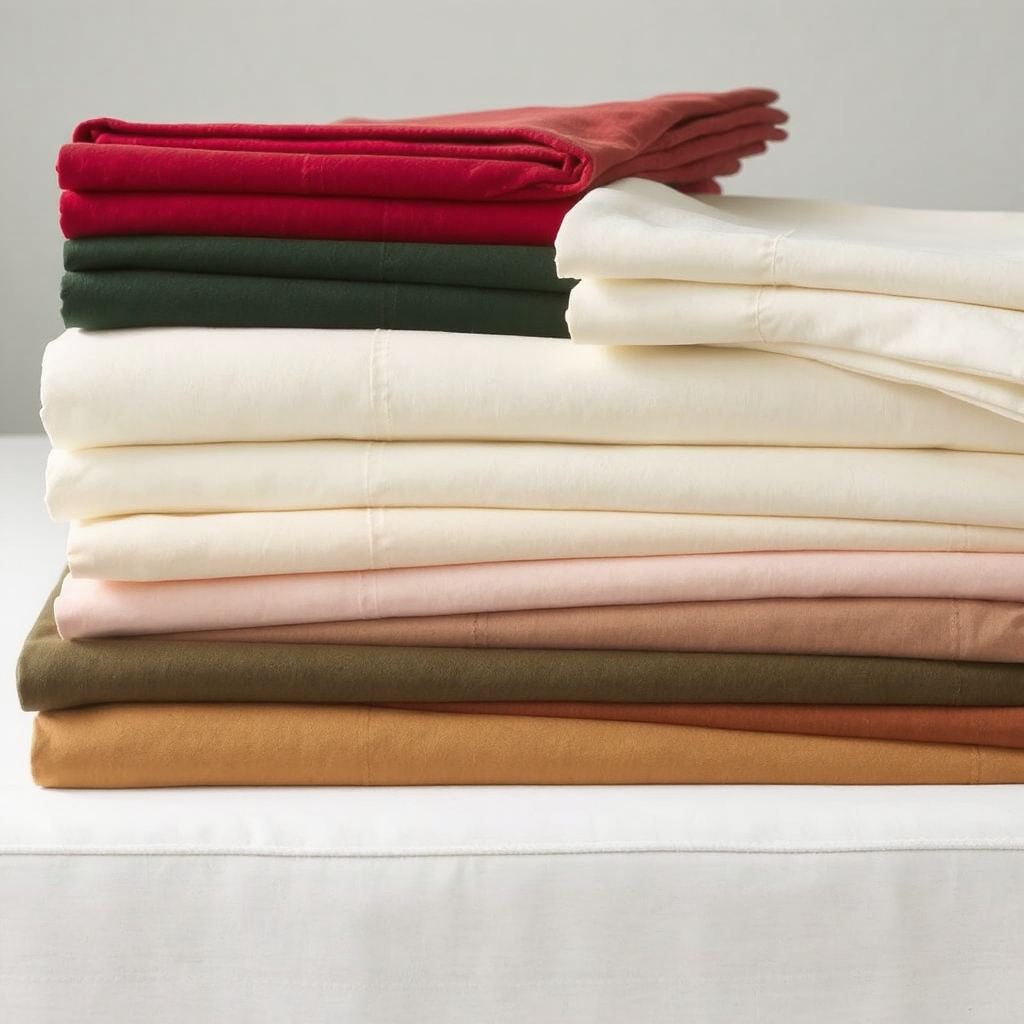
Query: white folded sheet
(972, 353)
(169, 547)
(640, 229)
(981, 489)
(192, 385)
(932, 298)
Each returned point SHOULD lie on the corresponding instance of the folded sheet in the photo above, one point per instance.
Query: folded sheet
(181, 385)
(87, 607)
(846, 483)
(516, 267)
(521, 153)
(160, 298)
(265, 745)
(968, 352)
(922, 297)
(903, 627)
(55, 673)
(362, 219)
(211, 545)
(993, 727)
(639, 229)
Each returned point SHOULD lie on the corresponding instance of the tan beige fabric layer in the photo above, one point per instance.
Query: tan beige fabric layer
(133, 745)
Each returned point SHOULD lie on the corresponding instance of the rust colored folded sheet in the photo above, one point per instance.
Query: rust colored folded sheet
(994, 727)
(128, 746)
(884, 627)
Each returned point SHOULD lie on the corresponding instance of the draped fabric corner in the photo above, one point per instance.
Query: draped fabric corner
(927, 297)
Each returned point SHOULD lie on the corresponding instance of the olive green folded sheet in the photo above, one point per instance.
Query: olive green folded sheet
(55, 674)
(111, 299)
(515, 267)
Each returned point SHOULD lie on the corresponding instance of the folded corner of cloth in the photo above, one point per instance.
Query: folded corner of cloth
(641, 229)
(529, 153)
(924, 297)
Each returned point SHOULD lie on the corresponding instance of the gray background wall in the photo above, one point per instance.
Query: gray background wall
(902, 102)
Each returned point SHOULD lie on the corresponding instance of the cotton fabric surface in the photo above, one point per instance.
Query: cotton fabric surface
(931, 298)
(887, 627)
(995, 727)
(676, 891)
(160, 298)
(518, 153)
(212, 545)
(517, 267)
(87, 607)
(181, 385)
(639, 229)
(847, 483)
(968, 352)
(55, 673)
(356, 218)
(257, 745)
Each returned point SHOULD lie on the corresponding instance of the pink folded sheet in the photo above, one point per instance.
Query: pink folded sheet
(95, 608)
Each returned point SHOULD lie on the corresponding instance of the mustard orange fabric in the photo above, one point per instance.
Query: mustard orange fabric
(134, 745)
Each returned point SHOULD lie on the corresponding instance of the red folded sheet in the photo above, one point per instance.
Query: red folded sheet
(526, 153)
(502, 177)
(354, 219)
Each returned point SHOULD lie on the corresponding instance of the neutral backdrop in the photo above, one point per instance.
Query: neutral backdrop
(900, 102)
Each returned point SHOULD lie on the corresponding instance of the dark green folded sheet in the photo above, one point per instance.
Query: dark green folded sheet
(515, 267)
(108, 299)
(55, 673)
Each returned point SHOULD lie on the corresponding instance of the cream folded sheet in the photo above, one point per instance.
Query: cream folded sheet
(930, 298)
(190, 385)
(91, 608)
(971, 353)
(211, 545)
(846, 483)
(640, 229)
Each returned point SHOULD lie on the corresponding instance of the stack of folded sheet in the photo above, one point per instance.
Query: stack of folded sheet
(429, 555)
(442, 223)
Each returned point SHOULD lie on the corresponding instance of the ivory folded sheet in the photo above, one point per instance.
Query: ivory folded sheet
(188, 385)
(843, 483)
(971, 353)
(207, 546)
(640, 229)
(933, 298)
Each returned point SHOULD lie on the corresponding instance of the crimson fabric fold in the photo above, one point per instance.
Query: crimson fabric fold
(499, 177)
(520, 153)
(360, 219)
